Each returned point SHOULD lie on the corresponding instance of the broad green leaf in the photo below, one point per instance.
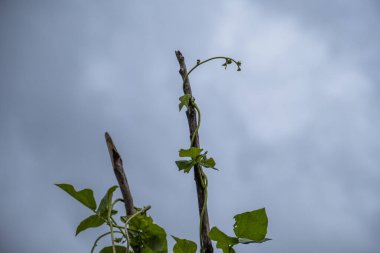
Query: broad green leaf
(106, 202)
(85, 196)
(185, 165)
(151, 236)
(251, 225)
(154, 238)
(248, 241)
(90, 222)
(184, 101)
(208, 163)
(184, 246)
(119, 249)
(223, 241)
(191, 152)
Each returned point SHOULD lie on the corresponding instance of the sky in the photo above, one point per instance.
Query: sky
(296, 131)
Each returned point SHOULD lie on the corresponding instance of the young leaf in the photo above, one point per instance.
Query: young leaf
(191, 152)
(90, 222)
(184, 246)
(85, 196)
(251, 225)
(185, 101)
(185, 165)
(223, 241)
(106, 202)
(119, 249)
(208, 163)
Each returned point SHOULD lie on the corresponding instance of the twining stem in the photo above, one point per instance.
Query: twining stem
(199, 63)
(100, 237)
(192, 119)
(111, 227)
(198, 125)
(143, 210)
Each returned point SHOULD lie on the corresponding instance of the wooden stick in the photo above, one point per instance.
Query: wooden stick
(192, 121)
(117, 165)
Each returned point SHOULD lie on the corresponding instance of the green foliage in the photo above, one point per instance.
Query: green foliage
(92, 221)
(191, 152)
(106, 202)
(251, 225)
(184, 246)
(85, 196)
(223, 241)
(185, 100)
(139, 231)
(145, 233)
(196, 158)
(119, 249)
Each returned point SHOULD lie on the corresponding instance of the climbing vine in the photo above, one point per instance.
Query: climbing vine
(136, 231)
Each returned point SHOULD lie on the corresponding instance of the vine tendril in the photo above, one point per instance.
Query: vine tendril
(202, 175)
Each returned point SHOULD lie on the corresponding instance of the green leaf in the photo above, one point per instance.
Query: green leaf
(151, 236)
(184, 246)
(191, 152)
(154, 238)
(106, 202)
(251, 225)
(85, 196)
(90, 222)
(248, 241)
(123, 219)
(208, 163)
(119, 239)
(119, 249)
(223, 241)
(185, 101)
(185, 165)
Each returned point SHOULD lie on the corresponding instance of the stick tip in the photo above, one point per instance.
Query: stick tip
(108, 138)
(178, 54)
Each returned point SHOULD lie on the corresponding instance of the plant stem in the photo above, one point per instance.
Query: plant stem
(205, 241)
(143, 210)
(100, 237)
(111, 228)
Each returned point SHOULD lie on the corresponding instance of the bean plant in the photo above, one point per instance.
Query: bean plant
(135, 231)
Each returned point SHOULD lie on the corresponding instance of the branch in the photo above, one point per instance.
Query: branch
(117, 165)
(192, 121)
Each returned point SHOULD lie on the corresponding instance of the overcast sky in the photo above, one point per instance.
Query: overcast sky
(297, 131)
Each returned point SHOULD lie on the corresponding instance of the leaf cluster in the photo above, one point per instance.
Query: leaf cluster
(196, 158)
(141, 233)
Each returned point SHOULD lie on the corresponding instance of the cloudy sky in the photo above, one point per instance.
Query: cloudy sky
(296, 131)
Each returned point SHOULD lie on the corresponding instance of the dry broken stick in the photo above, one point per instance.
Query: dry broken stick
(118, 168)
(192, 121)
(117, 165)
